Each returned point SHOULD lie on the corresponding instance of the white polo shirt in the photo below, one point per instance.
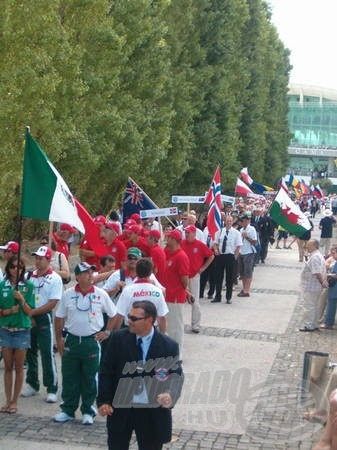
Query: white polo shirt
(140, 291)
(83, 313)
(48, 287)
(247, 247)
(234, 240)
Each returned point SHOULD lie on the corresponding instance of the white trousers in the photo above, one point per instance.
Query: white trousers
(194, 286)
(311, 309)
(175, 323)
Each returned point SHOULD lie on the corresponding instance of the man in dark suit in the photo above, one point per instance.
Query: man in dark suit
(139, 382)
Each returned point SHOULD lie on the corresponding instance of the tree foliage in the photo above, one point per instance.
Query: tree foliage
(159, 90)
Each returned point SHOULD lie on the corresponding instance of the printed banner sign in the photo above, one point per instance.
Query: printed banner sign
(147, 213)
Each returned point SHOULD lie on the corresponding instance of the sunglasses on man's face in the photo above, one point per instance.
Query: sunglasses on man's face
(135, 319)
(132, 258)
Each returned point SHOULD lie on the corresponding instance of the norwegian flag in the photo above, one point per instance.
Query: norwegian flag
(213, 199)
(135, 200)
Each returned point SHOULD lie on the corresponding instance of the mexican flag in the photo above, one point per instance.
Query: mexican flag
(285, 213)
(45, 195)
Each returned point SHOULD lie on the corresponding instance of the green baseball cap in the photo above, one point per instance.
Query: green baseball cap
(134, 251)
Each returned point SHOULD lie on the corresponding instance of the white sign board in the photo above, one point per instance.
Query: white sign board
(147, 213)
(200, 199)
(188, 199)
(227, 199)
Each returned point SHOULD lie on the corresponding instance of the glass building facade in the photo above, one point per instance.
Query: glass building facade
(313, 124)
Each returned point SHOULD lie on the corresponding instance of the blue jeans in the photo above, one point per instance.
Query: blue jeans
(331, 311)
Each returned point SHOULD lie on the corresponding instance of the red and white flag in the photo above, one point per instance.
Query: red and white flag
(241, 188)
(213, 199)
(244, 175)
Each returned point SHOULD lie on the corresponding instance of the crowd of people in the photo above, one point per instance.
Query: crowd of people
(135, 287)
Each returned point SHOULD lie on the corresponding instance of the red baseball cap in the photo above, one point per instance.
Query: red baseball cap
(135, 217)
(190, 229)
(100, 220)
(130, 222)
(11, 246)
(113, 226)
(134, 229)
(175, 234)
(155, 234)
(67, 227)
(43, 251)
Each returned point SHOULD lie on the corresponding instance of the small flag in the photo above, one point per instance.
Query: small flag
(285, 213)
(45, 195)
(260, 188)
(241, 188)
(304, 187)
(282, 184)
(317, 192)
(244, 175)
(213, 199)
(135, 200)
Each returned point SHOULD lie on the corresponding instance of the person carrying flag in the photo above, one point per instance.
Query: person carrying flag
(48, 292)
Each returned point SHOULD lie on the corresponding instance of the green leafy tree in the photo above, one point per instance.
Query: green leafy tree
(35, 61)
(222, 86)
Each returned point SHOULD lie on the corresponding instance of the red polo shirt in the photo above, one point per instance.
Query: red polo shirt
(118, 250)
(158, 257)
(197, 252)
(61, 246)
(177, 265)
(141, 244)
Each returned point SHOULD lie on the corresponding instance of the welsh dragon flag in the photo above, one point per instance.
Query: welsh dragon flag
(45, 195)
(285, 213)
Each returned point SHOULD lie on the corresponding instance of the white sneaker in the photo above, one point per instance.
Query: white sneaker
(87, 419)
(28, 391)
(63, 417)
(51, 398)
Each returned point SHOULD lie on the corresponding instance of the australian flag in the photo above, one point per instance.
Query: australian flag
(135, 200)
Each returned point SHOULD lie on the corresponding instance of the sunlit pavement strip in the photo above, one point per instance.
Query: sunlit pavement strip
(242, 377)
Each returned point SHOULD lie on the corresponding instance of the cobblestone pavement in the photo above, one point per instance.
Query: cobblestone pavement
(276, 422)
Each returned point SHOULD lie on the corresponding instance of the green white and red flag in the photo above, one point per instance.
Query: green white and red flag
(45, 195)
(287, 214)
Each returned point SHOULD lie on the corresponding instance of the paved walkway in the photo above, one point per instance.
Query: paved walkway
(243, 374)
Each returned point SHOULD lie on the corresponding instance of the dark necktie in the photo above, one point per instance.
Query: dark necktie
(224, 242)
(139, 384)
(140, 349)
(208, 241)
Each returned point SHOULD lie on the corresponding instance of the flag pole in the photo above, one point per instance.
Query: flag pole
(133, 181)
(19, 253)
(27, 128)
(50, 233)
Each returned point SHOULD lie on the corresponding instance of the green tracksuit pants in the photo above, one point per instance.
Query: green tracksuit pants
(42, 339)
(80, 364)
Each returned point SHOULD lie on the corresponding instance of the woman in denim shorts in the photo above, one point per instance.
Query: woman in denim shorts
(17, 300)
